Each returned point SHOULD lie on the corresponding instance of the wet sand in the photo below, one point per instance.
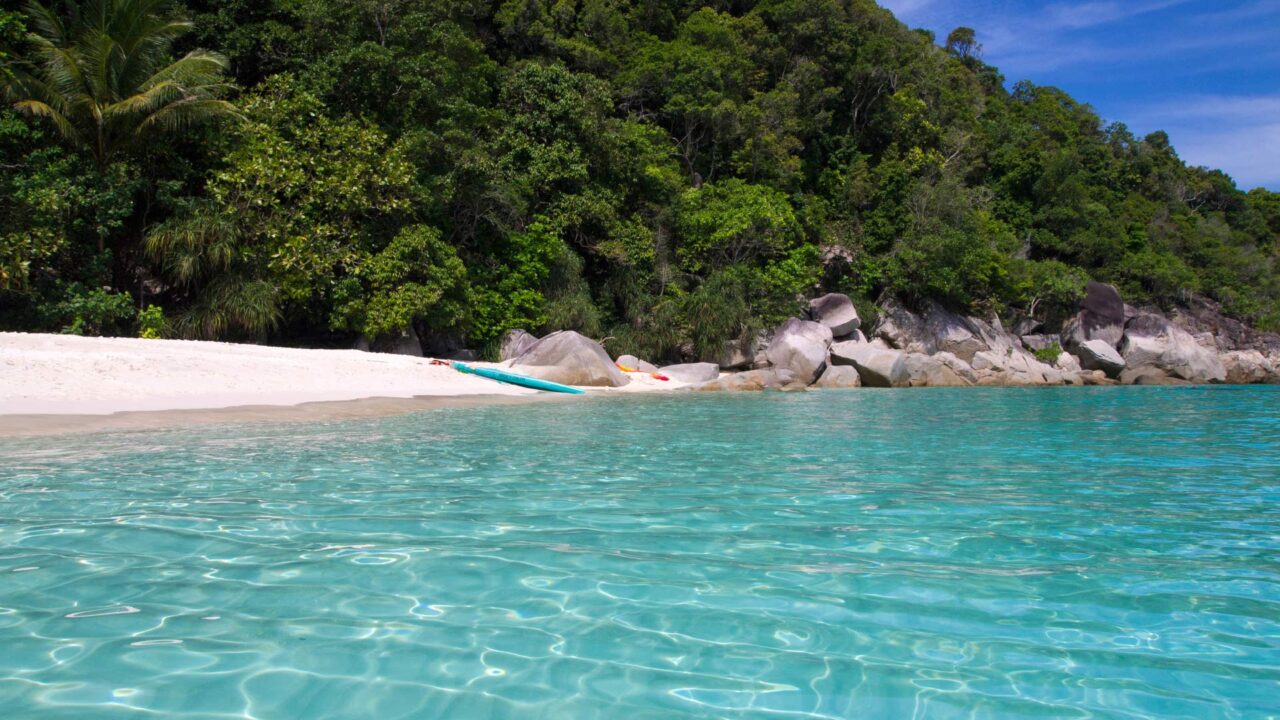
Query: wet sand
(51, 424)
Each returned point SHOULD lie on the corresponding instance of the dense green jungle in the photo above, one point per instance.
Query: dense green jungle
(663, 175)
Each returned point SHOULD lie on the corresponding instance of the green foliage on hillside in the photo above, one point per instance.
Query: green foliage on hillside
(666, 174)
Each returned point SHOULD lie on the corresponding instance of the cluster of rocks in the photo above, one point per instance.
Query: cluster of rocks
(1140, 348)
(1106, 343)
(572, 359)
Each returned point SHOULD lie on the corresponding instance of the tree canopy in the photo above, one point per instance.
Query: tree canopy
(664, 174)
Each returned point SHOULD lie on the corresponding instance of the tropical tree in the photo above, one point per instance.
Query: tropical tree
(963, 43)
(102, 73)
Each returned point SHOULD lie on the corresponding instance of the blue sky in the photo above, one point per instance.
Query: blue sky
(1205, 71)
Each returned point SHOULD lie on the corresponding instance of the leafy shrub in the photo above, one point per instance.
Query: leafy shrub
(1049, 355)
(717, 311)
(151, 323)
(95, 312)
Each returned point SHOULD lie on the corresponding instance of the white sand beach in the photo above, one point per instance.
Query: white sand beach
(64, 374)
(44, 374)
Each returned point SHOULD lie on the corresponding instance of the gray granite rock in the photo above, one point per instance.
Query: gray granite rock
(1101, 317)
(1039, 342)
(691, 373)
(1099, 355)
(933, 371)
(801, 347)
(1248, 367)
(836, 311)
(753, 381)
(407, 343)
(514, 343)
(839, 376)
(877, 367)
(570, 358)
(1152, 342)
(632, 361)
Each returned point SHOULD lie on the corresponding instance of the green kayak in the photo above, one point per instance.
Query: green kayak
(515, 379)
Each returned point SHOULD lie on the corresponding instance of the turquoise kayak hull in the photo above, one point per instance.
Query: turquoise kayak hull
(515, 379)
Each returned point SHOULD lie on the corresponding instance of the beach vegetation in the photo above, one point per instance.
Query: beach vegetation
(103, 77)
(1049, 355)
(152, 324)
(668, 176)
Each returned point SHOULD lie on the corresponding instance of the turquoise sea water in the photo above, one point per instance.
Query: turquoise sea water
(1073, 553)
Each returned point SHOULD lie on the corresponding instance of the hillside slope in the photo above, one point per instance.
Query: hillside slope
(669, 175)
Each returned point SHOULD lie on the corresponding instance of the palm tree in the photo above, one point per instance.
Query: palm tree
(101, 72)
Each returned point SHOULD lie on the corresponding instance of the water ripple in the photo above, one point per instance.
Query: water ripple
(1108, 553)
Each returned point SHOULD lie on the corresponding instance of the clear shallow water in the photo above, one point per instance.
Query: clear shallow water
(1076, 553)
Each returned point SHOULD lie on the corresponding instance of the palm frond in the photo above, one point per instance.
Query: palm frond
(196, 69)
(59, 67)
(146, 53)
(100, 71)
(35, 108)
(194, 245)
(180, 115)
(144, 103)
(233, 304)
(44, 22)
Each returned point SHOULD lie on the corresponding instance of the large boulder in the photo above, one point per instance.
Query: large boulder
(877, 367)
(753, 380)
(514, 343)
(900, 328)
(1101, 317)
(1068, 363)
(1027, 326)
(1152, 342)
(1102, 313)
(938, 329)
(801, 347)
(994, 336)
(637, 364)
(935, 371)
(957, 366)
(692, 373)
(569, 358)
(1248, 367)
(742, 353)
(1014, 367)
(1099, 355)
(1200, 315)
(957, 335)
(839, 376)
(836, 311)
(1039, 342)
(1097, 378)
(1149, 375)
(406, 343)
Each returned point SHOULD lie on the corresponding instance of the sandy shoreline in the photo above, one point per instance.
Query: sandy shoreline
(52, 384)
(17, 425)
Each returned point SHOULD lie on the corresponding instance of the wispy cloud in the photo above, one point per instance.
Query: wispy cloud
(1249, 154)
(906, 8)
(1237, 108)
(1245, 11)
(1089, 14)
(1238, 133)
